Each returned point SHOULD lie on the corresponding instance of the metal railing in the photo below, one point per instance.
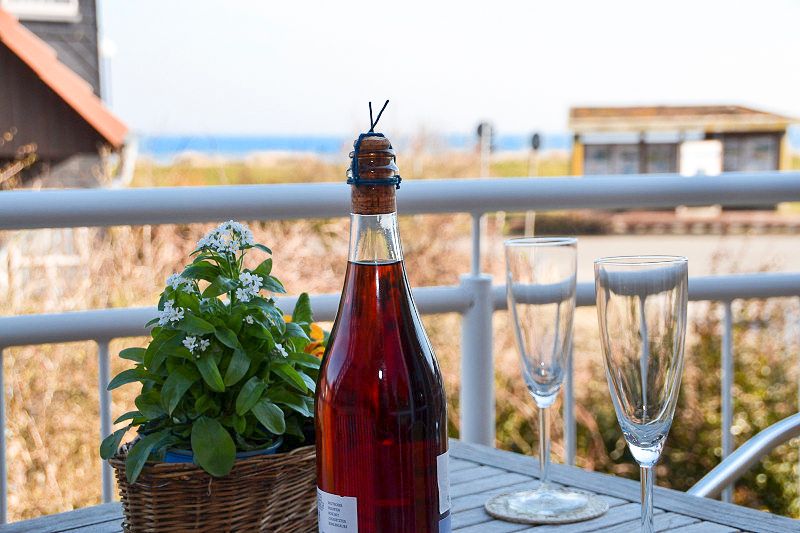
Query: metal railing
(475, 298)
(746, 456)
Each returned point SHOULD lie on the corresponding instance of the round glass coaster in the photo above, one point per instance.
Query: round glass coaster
(531, 506)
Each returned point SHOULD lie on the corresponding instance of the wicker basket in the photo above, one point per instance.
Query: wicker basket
(265, 493)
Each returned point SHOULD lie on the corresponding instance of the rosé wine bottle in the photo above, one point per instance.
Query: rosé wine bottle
(381, 419)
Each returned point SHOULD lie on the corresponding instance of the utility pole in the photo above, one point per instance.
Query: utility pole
(485, 137)
(533, 170)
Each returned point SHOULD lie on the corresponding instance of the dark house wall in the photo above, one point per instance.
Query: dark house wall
(38, 115)
(74, 42)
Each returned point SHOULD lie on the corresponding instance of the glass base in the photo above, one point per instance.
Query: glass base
(547, 502)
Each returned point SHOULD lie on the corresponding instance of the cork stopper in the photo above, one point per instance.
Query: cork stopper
(375, 161)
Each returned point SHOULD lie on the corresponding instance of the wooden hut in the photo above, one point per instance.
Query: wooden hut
(46, 109)
(639, 140)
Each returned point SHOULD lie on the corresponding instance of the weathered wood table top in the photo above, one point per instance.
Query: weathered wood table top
(477, 472)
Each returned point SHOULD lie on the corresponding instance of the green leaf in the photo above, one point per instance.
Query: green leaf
(203, 404)
(237, 368)
(291, 376)
(220, 285)
(239, 424)
(213, 447)
(110, 444)
(310, 383)
(274, 315)
(162, 344)
(208, 369)
(293, 428)
(291, 400)
(187, 301)
(296, 331)
(127, 376)
(302, 310)
(228, 338)
(194, 325)
(149, 404)
(264, 268)
(270, 416)
(140, 452)
(273, 284)
(133, 354)
(259, 331)
(251, 392)
(305, 359)
(201, 270)
(260, 247)
(176, 385)
(130, 415)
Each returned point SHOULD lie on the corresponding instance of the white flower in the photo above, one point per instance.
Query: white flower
(193, 343)
(250, 285)
(249, 319)
(281, 350)
(176, 280)
(170, 313)
(228, 237)
(190, 343)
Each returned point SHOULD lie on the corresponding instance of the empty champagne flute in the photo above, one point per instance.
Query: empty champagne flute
(540, 281)
(641, 309)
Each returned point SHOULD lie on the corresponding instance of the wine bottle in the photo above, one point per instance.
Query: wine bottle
(380, 405)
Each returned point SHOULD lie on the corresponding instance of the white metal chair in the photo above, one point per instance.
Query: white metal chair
(749, 453)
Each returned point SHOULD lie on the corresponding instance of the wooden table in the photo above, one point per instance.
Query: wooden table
(476, 472)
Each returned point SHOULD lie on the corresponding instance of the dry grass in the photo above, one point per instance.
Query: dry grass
(52, 411)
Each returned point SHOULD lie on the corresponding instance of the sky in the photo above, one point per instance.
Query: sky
(310, 67)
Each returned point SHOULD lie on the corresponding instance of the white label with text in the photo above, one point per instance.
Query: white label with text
(336, 513)
(444, 481)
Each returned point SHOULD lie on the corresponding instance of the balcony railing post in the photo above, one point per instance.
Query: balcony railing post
(570, 429)
(475, 261)
(476, 399)
(727, 389)
(103, 378)
(477, 363)
(3, 473)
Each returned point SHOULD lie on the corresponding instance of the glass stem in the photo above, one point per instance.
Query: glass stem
(646, 475)
(544, 448)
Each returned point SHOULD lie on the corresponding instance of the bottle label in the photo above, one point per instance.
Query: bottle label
(336, 514)
(445, 525)
(442, 465)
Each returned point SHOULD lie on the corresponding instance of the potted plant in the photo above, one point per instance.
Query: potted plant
(225, 413)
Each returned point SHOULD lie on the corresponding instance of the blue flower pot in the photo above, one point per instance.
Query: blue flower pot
(186, 456)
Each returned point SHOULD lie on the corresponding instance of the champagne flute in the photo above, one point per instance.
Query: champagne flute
(641, 309)
(540, 282)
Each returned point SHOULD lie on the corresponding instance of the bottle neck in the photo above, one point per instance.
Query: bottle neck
(374, 239)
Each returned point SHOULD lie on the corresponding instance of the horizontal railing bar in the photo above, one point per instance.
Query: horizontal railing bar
(703, 288)
(75, 326)
(22, 330)
(166, 205)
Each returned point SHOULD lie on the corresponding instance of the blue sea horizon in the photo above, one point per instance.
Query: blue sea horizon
(166, 147)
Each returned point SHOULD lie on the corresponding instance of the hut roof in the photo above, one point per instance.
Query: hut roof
(709, 118)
